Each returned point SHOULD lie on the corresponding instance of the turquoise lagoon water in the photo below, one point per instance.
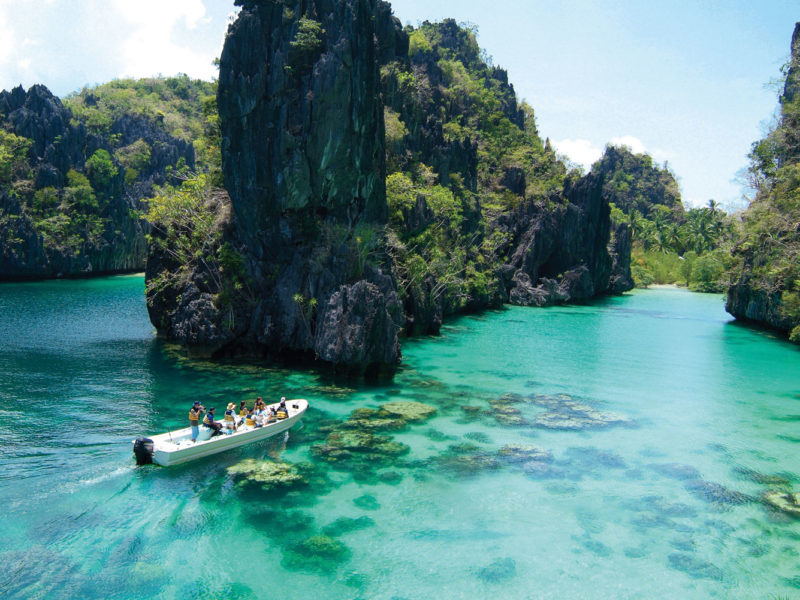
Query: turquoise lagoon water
(662, 502)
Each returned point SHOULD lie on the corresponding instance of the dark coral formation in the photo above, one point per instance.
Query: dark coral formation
(356, 444)
(564, 412)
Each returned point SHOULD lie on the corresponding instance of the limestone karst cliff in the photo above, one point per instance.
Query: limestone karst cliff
(765, 285)
(309, 256)
(303, 161)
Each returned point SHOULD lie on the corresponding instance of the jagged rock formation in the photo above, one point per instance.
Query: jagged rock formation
(619, 249)
(460, 117)
(562, 254)
(303, 161)
(765, 285)
(115, 242)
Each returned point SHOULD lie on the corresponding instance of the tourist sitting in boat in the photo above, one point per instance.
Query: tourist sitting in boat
(243, 409)
(260, 414)
(194, 418)
(209, 422)
(260, 403)
(250, 419)
(271, 415)
(230, 416)
(282, 411)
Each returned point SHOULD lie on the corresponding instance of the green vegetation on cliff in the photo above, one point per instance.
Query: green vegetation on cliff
(767, 272)
(187, 223)
(182, 107)
(175, 102)
(459, 151)
(14, 165)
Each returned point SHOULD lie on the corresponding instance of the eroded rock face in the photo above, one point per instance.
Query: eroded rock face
(301, 115)
(756, 292)
(356, 327)
(749, 302)
(562, 254)
(302, 128)
(621, 279)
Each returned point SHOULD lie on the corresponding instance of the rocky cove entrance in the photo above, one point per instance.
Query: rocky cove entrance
(321, 261)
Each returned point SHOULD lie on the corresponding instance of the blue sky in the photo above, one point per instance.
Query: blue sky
(685, 81)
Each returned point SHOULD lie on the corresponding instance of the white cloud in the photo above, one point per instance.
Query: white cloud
(579, 151)
(585, 153)
(634, 143)
(151, 48)
(158, 15)
(637, 147)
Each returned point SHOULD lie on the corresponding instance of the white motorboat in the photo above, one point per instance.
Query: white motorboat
(175, 447)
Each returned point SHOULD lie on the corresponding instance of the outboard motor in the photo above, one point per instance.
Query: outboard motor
(143, 449)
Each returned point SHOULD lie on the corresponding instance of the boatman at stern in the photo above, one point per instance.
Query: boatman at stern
(194, 418)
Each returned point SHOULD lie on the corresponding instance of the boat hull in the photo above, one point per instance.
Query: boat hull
(175, 447)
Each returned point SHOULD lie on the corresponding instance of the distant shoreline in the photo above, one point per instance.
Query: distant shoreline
(664, 285)
(73, 277)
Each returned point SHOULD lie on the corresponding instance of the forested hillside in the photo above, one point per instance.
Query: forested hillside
(73, 173)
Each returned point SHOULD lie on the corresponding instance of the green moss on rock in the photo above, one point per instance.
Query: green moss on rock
(346, 525)
(316, 553)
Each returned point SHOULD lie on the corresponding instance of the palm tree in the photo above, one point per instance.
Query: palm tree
(676, 237)
(698, 221)
(647, 234)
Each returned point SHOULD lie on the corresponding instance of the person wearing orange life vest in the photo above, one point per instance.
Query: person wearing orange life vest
(194, 418)
(230, 416)
(282, 411)
(243, 409)
(208, 421)
(250, 419)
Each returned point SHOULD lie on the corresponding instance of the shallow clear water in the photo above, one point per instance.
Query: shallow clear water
(683, 420)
